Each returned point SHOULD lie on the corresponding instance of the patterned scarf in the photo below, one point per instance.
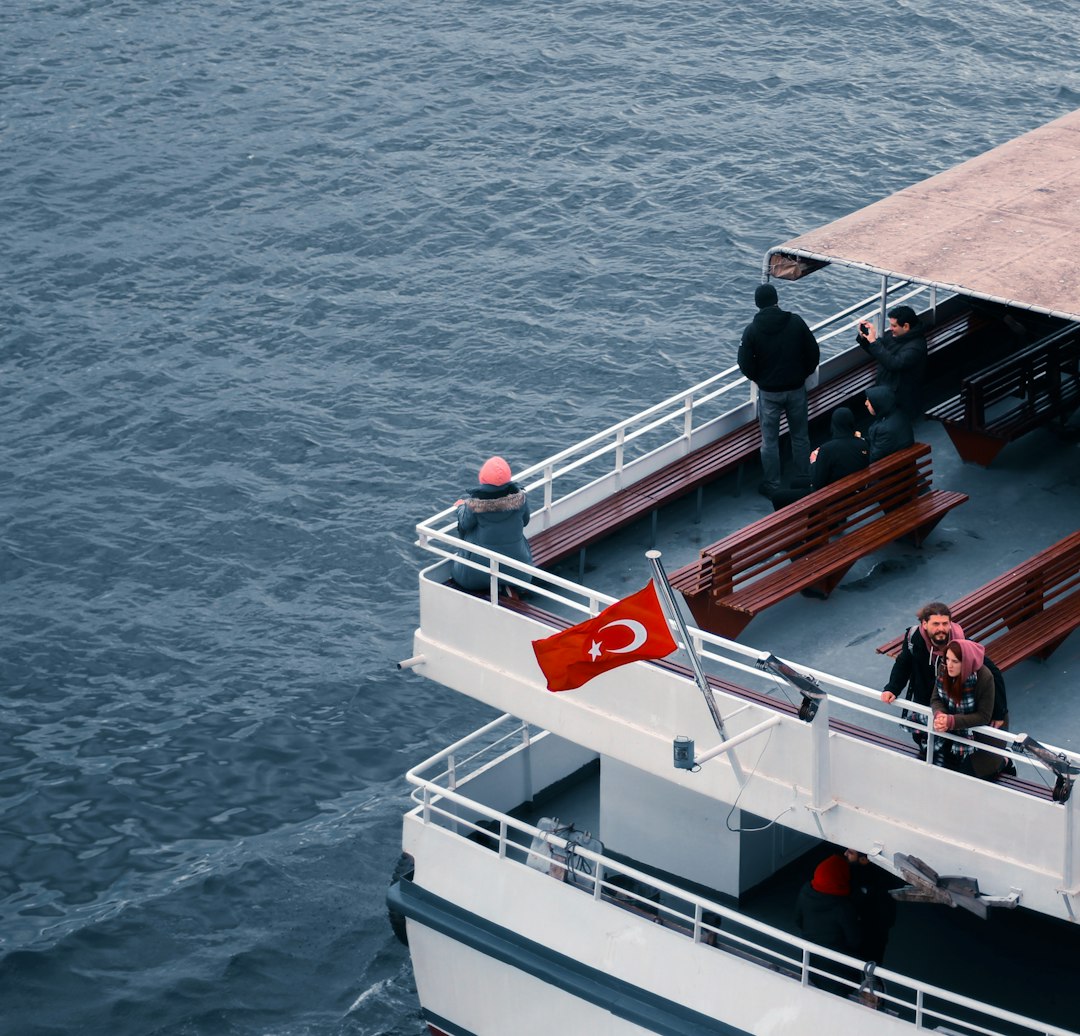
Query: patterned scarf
(965, 705)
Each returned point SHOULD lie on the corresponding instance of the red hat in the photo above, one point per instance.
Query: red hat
(495, 472)
(833, 876)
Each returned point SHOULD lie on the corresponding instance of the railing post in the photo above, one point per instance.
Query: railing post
(620, 442)
(528, 761)
(549, 478)
(688, 416)
(821, 796)
(884, 322)
(451, 773)
(1072, 851)
(493, 585)
(502, 839)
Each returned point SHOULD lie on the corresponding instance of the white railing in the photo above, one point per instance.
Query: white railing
(847, 700)
(642, 443)
(701, 919)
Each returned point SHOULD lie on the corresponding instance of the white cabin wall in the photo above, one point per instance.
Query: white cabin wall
(663, 825)
(686, 834)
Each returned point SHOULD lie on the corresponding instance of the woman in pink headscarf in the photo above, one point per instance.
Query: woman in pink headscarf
(963, 698)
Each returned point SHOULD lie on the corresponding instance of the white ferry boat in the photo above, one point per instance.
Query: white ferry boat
(624, 857)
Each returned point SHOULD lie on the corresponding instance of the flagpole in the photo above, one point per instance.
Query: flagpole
(667, 601)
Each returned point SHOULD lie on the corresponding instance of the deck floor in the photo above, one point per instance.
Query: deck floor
(1027, 500)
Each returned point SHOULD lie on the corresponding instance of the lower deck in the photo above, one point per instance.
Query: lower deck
(1030, 958)
(491, 892)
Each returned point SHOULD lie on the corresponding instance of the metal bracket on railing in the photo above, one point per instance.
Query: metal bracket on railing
(1057, 761)
(809, 687)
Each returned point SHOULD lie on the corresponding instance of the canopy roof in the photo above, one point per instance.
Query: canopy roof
(1002, 226)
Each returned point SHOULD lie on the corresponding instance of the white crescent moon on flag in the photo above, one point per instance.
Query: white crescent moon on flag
(635, 627)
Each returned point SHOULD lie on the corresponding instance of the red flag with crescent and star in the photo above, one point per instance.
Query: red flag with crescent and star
(627, 631)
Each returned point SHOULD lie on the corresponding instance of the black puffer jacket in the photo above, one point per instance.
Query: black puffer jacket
(778, 351)
(843, 454)
(891, 430)
(830, 921)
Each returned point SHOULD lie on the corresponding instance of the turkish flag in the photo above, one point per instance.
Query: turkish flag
(626, 631)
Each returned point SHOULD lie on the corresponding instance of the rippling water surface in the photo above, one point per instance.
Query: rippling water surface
(275, 278)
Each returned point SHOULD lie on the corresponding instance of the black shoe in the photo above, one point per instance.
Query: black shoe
(766, 490)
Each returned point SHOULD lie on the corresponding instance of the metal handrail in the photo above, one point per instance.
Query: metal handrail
(858, 698)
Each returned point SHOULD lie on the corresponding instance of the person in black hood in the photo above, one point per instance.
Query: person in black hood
(901, 357)
(844, 453)
(891, 430)
(778, 353)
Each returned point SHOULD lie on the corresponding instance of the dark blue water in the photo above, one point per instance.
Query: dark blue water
(275, 279)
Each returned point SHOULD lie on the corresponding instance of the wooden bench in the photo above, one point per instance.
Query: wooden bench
(811, 544)
(1010, 398)
(1024, 613)
(725, 455)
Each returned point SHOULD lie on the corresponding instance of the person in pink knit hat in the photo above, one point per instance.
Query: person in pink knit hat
(492, 515)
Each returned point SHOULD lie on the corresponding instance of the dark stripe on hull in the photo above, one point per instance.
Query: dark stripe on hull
(439, 1026)
(621, 998)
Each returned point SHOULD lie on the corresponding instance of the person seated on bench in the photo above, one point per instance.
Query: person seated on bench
(493, 515)
(843, 454)
(901, 357)
(891, 430)
(964, 698)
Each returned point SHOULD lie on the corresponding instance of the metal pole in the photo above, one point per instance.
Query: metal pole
(667, 599)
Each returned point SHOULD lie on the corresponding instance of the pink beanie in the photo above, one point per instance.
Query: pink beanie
(495, 472)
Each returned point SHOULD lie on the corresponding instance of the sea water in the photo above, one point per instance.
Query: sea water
(276, 278)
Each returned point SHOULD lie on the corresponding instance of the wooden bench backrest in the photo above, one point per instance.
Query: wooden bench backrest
(1023, 374)
(1021, 592)
(814, 520)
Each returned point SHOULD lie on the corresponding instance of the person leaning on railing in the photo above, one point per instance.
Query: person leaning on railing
(492, 515)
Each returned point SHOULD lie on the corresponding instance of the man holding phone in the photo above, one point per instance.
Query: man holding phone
(901, 358)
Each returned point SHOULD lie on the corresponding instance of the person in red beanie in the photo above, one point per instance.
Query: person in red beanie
(492, 515)
(825, 913)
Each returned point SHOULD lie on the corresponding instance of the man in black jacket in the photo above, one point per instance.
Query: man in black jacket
(778, 353)
(914, 672)
(901, 358)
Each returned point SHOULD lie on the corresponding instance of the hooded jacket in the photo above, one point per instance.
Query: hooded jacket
(891, 430)
(493, 517)
(778, 351)
(901, 366)
(843, 454)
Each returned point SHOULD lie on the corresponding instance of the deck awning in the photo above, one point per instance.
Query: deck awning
(1004, 226)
